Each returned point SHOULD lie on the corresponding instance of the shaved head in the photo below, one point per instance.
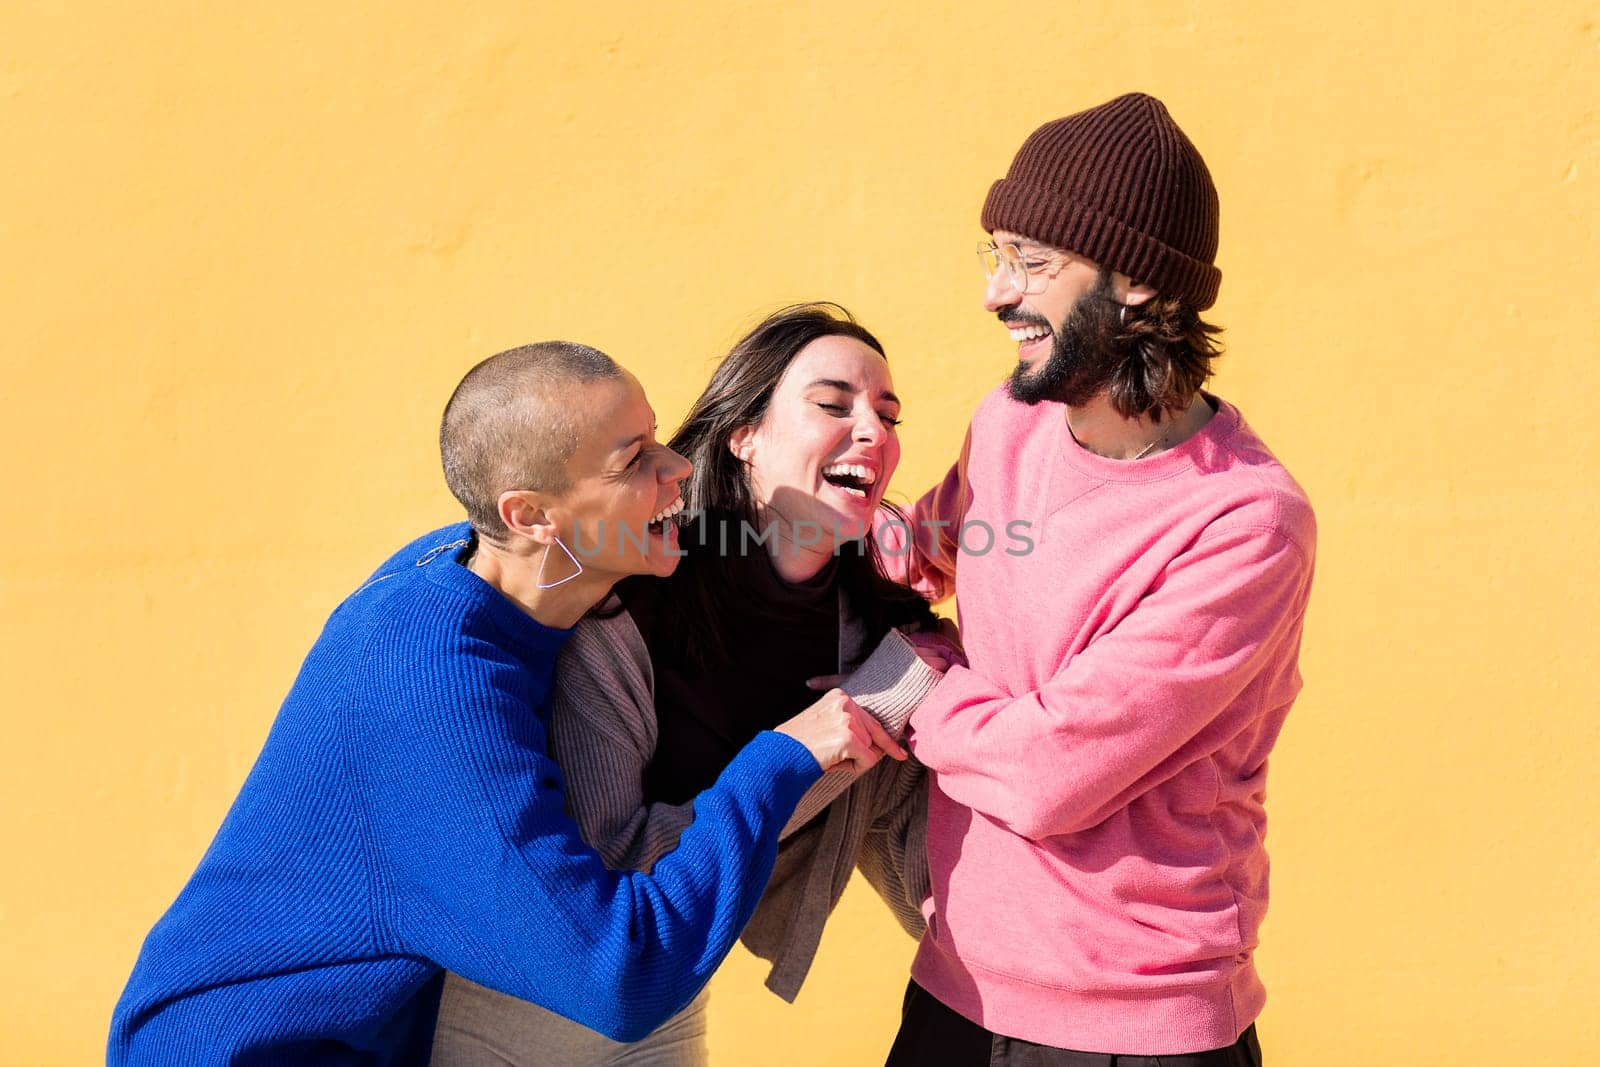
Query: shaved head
(512, 423)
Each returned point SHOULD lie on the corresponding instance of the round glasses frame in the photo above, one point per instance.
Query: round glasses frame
(1020, 270)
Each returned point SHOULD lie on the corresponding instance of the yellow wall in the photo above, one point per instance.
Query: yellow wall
(248, 249)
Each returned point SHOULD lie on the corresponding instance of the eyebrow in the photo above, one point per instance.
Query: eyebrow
(849, 387)
(638, 438)
(1020, 241)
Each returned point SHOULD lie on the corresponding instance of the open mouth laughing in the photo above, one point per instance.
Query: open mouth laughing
(667, 517)
(1032, 338)
(854, 478)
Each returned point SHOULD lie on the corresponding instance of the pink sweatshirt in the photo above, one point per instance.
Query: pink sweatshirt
(1096, 816)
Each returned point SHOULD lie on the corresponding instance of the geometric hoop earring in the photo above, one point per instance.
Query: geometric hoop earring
(551, 585)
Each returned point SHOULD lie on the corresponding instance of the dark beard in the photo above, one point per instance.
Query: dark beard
(1084, 357)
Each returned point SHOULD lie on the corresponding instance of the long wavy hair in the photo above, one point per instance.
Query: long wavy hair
(708, 589)
(1165, 352)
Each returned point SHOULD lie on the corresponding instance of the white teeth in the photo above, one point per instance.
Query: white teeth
(853, 470)
(667, 512)
(1028, 333)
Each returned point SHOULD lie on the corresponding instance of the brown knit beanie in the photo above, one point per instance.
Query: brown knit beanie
(1121, 184)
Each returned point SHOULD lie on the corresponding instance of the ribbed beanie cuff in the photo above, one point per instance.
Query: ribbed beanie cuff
(1121, 184)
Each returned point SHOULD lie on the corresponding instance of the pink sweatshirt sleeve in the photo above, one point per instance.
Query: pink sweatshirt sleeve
(923, 554)
(1183, 673)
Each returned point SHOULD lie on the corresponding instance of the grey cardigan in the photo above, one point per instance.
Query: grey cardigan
(603, 733)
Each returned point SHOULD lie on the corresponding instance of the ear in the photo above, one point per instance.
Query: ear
(526, 517)
(741, 443)
(1135, 294)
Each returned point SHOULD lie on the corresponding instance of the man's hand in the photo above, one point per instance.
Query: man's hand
(940, 651)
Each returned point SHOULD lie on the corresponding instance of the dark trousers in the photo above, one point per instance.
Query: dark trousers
(931, 1035)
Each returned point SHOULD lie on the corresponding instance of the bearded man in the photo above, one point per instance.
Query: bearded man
(1096, 813)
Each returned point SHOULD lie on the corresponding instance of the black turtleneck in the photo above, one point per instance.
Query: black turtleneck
(782, 635)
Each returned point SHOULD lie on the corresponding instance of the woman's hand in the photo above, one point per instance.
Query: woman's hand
(836, 731)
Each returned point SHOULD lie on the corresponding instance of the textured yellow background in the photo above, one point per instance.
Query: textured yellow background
(248, 249)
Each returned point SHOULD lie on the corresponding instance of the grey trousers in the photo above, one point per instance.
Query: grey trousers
(481, 1028)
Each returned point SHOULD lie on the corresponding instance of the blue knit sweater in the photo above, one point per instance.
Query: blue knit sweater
(403, 818)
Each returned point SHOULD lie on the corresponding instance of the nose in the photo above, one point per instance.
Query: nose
(674, 468)
(999, 292)
(869, 429)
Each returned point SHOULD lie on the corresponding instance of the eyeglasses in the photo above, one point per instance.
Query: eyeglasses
(1021, 271)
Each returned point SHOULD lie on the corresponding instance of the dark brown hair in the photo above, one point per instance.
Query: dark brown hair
(1166, 350)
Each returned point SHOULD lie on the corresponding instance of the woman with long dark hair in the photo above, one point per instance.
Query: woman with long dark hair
(793, 443)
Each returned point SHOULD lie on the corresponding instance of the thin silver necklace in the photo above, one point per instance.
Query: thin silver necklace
(1143, 452)
(1149, 448)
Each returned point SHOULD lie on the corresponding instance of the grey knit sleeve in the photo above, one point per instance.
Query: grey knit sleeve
(603, 733)
(888, 685)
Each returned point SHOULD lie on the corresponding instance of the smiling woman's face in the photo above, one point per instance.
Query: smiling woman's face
(621, 478)
(826, 448)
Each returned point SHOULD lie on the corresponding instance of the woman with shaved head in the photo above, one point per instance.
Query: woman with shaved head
(405, 817)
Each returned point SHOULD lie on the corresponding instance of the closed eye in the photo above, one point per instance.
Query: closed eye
(639, 455)
(842, 411)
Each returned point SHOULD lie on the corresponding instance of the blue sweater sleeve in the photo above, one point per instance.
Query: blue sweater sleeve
(479, 870)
